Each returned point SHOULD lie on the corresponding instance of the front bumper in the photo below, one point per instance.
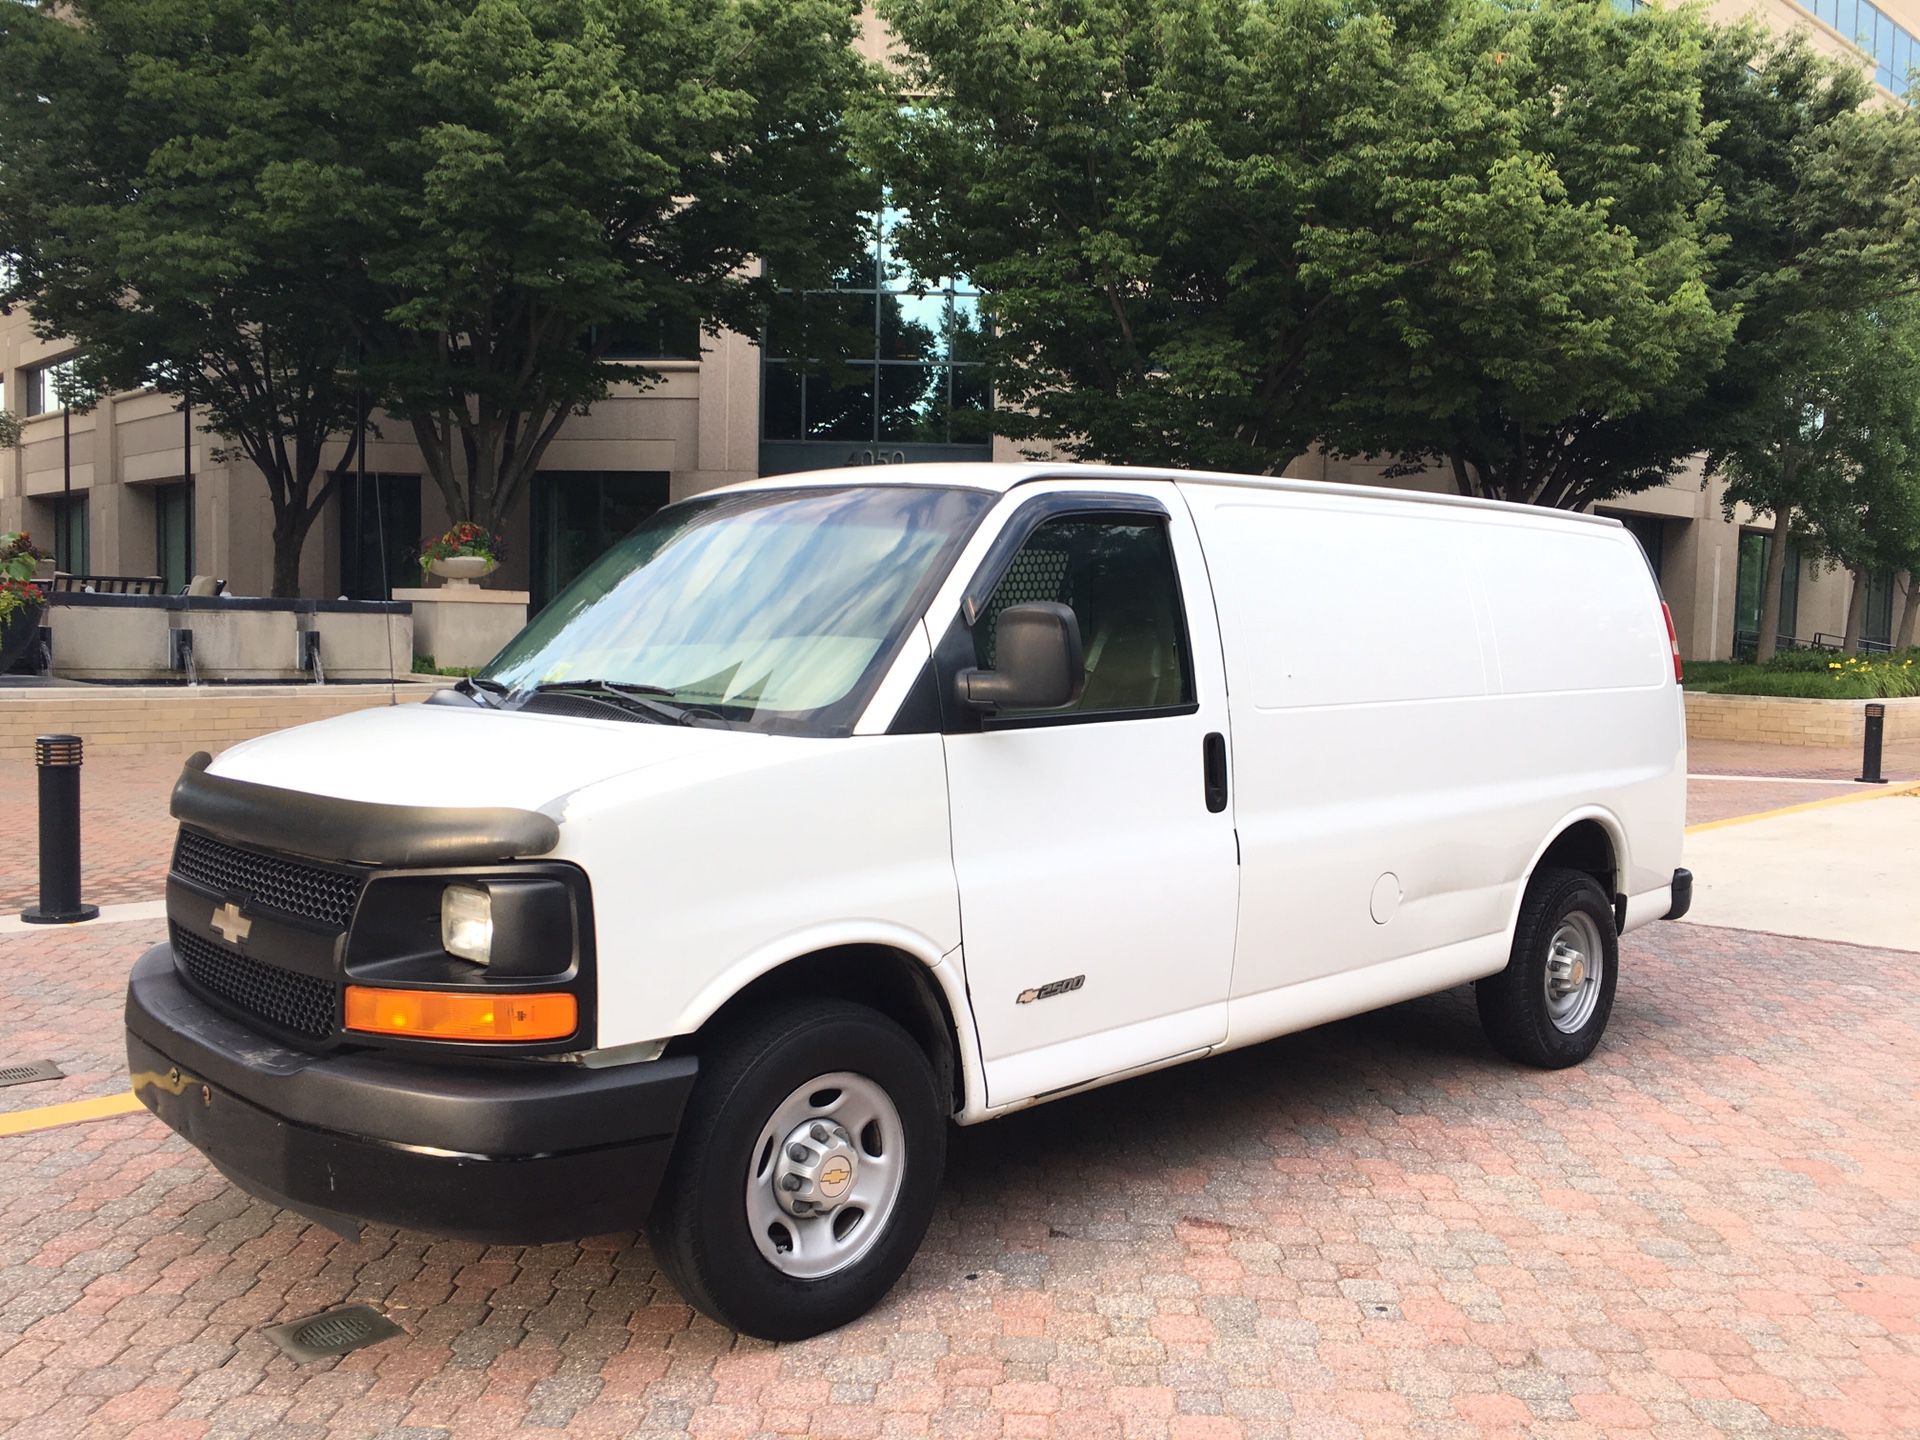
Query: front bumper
(508, 1154)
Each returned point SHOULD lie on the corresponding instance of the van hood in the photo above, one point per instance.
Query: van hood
(417, 754)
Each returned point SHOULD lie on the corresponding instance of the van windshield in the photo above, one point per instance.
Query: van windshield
(774, 608)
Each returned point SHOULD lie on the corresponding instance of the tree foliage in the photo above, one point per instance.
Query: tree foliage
(1862, 506)
(1822, 205)
(267, 207)
(1217, 233)
(136, 140)
(519, 179)
(1532, 298)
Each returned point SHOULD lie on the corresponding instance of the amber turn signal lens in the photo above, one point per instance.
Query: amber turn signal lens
(460, 1015)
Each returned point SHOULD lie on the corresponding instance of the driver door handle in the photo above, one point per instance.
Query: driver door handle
(1213, 765)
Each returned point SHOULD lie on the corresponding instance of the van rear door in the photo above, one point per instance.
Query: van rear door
(1094, 846)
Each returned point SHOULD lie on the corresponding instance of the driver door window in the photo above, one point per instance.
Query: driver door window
(1117, 575)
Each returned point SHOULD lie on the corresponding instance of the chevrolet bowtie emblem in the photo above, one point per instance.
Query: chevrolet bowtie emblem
(232, 924)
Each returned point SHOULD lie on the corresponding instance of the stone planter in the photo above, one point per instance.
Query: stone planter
(1782, 720)
(461, 571)
(361, 639)
(17, 634)
(462, 625)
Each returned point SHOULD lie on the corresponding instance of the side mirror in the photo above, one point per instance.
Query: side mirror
(1037, 650)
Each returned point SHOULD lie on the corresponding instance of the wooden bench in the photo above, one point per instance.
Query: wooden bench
(64, 583)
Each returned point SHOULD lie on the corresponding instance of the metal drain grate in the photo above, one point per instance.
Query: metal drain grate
(333, 1332)
(33, 1070)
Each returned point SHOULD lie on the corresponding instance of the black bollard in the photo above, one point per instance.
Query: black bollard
(1870, 751)
(58, 757)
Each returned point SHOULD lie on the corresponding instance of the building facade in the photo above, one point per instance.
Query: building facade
(132, 487)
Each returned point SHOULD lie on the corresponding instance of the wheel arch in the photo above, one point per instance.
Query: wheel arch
(921, 994)
(1591, 840)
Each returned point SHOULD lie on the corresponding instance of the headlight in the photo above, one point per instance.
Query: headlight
(466, 923)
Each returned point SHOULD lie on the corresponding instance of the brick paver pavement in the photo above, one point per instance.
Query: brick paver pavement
(1374, 1229)
(1898, 761)
(1710, 800)
(127, 836)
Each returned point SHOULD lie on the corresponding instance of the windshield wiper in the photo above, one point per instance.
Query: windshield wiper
(487, 692)
(641, 699)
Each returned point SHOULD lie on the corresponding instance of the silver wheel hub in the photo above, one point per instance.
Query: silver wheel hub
(817, 1168)
(1575, 965)
(825, 1175)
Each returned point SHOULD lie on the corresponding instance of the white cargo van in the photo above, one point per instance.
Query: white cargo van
(822, 811)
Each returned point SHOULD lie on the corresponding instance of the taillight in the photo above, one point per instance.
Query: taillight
(1673, 641)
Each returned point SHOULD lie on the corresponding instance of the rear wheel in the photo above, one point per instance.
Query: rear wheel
(805, 1173)
(1550, 1006)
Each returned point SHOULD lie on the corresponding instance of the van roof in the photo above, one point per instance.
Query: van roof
(1002, 476)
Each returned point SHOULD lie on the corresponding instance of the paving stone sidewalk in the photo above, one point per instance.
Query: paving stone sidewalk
(1377, 1229)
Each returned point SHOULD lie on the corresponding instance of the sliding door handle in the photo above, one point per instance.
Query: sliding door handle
(1213, 764)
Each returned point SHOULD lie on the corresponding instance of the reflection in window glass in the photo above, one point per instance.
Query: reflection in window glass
(1118, 579)
(840, 406)
(829, 358)
(913, 403)
(764, 608)
(1890, 45)
(780, 395)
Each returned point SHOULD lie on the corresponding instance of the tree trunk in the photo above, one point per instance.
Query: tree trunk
(1775, 588)
(1856, 613)
(1910, 614)
(289, 539)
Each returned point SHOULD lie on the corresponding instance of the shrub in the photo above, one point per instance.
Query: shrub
(1827, 677)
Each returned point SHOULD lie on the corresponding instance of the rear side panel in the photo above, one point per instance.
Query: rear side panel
(1422, 697)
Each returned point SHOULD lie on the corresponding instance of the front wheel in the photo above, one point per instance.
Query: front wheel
(1550, 1005)
(806, 1171)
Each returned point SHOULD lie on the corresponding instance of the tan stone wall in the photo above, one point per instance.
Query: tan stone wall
(169, 720)
(1781, 721)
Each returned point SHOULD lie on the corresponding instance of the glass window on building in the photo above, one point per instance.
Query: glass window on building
(1651, 532)
(1876, 627)
(883, 367)
(1750, 580)
(578, 515)
(47, 387)
(379, 535)
(172, 537)
(659, 337)
(72, 537)
(1887, 43)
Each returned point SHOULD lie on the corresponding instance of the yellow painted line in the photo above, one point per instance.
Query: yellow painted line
(1854, 799)
(25, 1122)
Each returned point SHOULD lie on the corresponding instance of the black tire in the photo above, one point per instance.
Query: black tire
(1514, 1007)
(700, 1227)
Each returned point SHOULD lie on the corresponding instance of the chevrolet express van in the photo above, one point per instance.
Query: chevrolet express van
(822, 811)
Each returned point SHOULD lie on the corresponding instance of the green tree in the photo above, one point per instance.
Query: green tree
(520, 179)
(1215, 232)
(1531, 299)
(1129, 180)
(1822, 216)
(138, 140)
(1866, 516)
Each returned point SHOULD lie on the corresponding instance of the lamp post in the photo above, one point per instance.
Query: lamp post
(63, 540)
(186, 469)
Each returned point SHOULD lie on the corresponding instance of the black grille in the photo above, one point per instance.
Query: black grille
(279, 884)
(298, 1004)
